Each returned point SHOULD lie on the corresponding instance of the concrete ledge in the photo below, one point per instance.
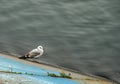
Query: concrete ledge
(39, 73)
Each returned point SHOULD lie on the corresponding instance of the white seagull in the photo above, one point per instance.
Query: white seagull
(35, 53)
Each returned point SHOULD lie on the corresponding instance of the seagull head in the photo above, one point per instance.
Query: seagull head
(40, 47)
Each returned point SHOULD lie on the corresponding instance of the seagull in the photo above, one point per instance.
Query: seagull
(35, 53)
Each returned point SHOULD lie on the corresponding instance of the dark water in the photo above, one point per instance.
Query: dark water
(83, 35)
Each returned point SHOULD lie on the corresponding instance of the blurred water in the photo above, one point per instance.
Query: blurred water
(82, 35)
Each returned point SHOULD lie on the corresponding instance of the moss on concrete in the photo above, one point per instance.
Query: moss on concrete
(62, 75)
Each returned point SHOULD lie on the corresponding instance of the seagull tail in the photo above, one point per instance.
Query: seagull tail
(22, 57)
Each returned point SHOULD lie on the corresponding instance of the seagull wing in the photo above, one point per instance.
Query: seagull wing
(34, 52)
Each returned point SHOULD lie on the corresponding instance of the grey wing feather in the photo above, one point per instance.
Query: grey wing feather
(34, 54)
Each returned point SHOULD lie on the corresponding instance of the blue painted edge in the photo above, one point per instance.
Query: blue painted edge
(7, 64)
